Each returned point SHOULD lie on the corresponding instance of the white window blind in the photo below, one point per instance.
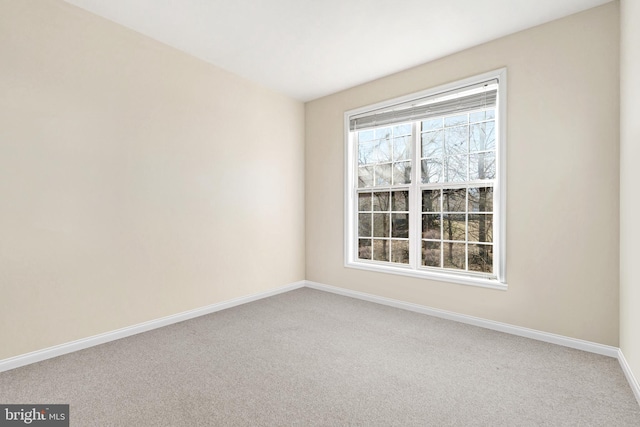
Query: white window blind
(469, 98)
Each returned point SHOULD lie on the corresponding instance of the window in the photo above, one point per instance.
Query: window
(425, 190)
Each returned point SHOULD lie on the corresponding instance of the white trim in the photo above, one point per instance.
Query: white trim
(578, 344)
(501, 178)
(633, 383)
(459, 279)
(81, 344)
(350, 233)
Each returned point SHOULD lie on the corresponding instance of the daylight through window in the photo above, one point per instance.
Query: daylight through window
(425, 191)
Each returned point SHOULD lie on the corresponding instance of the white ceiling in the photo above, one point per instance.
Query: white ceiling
(311, 48)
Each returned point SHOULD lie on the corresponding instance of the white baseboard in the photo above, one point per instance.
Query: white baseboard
(633, 382)
(589, 346)
(81, 344)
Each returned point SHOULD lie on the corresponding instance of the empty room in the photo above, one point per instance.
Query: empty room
(341, 212)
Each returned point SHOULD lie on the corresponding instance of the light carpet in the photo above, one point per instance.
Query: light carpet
(308, 357)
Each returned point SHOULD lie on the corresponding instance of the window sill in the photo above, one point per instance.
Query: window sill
(430, 275)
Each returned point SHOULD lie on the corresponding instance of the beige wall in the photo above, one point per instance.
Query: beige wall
(563, 161)
(135, 181)
(629, 183)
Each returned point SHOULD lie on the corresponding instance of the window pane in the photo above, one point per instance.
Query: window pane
(482, 137)
(478, 116)
(365, 176)
(382, 150)
(430, 200)
(383, 174)
(380, 250)
(402, 129)
(432, 124)
(455, 120)
(381, 201)
(453, 227)
(431, 171)
(364, 248)
(482, 115)
(365, 153)
(454, 255)
(481, 199)
(432, 143)
(400, 251)
(431, 254)
(481, 258)
(431, 226)
(402, 173)
(365, 135)
(402, 148)
(381, 225)
(482, 166)
(382, 133)
(455, 169)
(364, 225)
(400, 201)
(481, 228)
(364, 201)
(455, 140)
(400, 225)
(454, 200)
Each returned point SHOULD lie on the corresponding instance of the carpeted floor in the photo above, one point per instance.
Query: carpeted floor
(308, 357)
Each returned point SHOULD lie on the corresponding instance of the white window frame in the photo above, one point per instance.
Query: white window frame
(500, 193)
